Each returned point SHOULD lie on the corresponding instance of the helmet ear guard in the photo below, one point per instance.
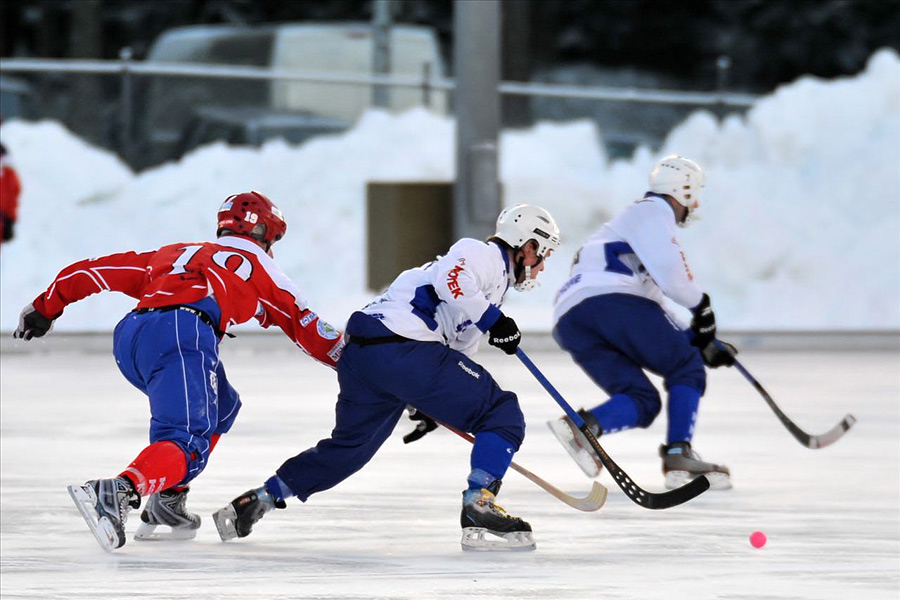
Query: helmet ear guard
(680, 178)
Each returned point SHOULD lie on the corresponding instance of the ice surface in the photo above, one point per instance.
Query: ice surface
(800, 220)
(391, 531)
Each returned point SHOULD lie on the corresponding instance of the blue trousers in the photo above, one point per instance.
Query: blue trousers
(173, 357)
(378, 381)
(614, 338)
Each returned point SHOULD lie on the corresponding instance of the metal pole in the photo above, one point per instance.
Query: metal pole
(426, 84)
(126, 107)
(723, 68)
(476, 59)
(381, 51)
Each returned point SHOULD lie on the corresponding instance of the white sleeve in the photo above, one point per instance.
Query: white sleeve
(651, 234)
(460, 278)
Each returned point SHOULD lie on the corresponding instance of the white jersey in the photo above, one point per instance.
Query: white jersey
(453, 299)
(635, 253)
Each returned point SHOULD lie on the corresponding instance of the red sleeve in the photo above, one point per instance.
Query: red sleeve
(125, 272)
(314, 336)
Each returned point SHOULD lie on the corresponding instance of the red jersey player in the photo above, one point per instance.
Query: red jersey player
(168, 347)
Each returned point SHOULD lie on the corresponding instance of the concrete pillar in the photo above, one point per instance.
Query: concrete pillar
(476, 60)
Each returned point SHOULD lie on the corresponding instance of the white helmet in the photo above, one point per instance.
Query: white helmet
(680, 178)
(521, 223)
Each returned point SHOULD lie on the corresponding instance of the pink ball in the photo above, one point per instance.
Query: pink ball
(757, 539)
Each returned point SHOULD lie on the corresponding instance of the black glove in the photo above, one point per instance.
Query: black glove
(505, 335)
(703, 324)
(425, 425)
(718, 354)
(32, 324)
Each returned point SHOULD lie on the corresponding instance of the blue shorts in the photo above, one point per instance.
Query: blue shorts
(614, 337)
(173, 357)
(377, 382)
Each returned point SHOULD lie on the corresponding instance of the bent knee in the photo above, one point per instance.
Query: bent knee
(504, 418)
(649, 405)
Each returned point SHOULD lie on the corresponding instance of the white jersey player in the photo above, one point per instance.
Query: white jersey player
(449, 299)
(412, 346)
(610, 316)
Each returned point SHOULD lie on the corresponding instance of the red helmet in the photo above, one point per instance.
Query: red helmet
(253, 215)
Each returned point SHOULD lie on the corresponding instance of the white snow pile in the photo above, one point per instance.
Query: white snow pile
(800, 224)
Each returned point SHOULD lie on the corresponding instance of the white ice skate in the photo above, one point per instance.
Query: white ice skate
(576, 445)
(104, 505)
(486, 527)
(167, 509)
(681, 464)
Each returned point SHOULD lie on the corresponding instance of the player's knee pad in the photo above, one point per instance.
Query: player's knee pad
(505, 418)
(648, 404)
(692, 374)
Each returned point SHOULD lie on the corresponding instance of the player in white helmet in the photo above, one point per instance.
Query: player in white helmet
(610, 317)
(413, 345)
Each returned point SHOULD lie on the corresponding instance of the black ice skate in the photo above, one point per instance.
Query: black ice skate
(576, 444)
(681, 464)
(167, 508)
(104, 504)
(480, 516)
(237, 519)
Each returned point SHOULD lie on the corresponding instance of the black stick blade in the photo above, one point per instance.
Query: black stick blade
(636, 493)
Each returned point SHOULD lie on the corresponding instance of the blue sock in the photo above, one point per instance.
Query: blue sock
(278, 488)
(683, 403)
(616, 414)
(490, 459)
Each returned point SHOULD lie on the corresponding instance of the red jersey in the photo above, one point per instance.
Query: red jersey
(244, 281)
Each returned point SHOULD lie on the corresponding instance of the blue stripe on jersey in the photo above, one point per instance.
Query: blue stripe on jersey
(613, 250)
(425, 304)
(487, 320)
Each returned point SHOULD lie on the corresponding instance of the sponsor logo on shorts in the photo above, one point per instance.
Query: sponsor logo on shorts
(468, 370)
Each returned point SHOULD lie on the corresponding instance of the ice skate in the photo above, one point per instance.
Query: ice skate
(237, 519)
(481, 517)
(167, 509)
(576, 444)
(104, 504)
(681, 464)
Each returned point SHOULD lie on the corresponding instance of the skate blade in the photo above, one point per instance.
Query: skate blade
(224, 519)
(147, 532)
(717, 481)
(474, 539)
(582, 456)
(104, 531)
